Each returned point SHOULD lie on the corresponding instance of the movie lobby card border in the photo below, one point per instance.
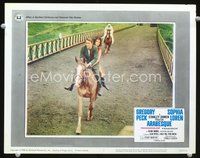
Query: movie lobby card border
(13, 145)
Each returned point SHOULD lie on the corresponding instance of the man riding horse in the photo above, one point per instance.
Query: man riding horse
(89, 54)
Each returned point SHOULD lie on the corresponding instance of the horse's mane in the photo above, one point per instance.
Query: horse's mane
(89, 70)
(89, 81)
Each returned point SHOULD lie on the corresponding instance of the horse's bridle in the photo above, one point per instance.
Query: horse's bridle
(82, 77)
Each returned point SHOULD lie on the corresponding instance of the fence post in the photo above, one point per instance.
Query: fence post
(47, 48)
(36, 52)
(56, 45)
(30, 54)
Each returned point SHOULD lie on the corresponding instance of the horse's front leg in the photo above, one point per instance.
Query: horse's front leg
(106, 50)
(108, 47)
(80, 112)
(91, 107)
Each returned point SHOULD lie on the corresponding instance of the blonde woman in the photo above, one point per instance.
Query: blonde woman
(108, 38)
(111, 31)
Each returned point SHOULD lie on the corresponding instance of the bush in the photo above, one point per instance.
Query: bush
(166, 31)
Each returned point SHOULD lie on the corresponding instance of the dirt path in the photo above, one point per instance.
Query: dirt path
(52, 110)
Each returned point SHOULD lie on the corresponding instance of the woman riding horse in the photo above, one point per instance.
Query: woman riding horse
(87, 80)
(108, 37)
(89, 55)
(98, 43)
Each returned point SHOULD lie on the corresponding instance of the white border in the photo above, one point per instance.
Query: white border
(174, 66)
(192, 112)
(7, 79)
(96, 150)
(97, 7)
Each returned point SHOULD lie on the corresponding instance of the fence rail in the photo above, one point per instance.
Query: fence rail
(166, 54)
(43, 49)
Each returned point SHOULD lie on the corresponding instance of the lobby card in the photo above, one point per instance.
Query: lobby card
(115, 76)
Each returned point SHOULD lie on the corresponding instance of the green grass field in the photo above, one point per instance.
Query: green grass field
(38, 32)
(166, 31)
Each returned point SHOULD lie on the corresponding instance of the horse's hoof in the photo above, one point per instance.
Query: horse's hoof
(89, 118)
(78, 131)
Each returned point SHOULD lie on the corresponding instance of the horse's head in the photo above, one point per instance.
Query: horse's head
(108, 32)
(79, 72)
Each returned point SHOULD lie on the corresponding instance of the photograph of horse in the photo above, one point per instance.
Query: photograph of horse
(86, 84)
(87, 78)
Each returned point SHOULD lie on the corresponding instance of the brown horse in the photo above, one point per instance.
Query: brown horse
(107, 42)
(86, 84)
